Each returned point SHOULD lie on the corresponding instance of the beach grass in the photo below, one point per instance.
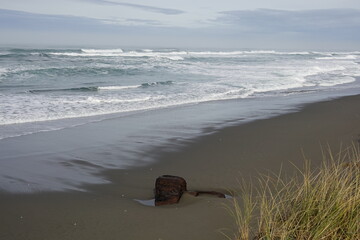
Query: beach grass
(316, 203)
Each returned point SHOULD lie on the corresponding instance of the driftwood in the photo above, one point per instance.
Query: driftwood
(197, 193)
(169, 189)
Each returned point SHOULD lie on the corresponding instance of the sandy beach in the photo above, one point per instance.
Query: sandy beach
(215, 161)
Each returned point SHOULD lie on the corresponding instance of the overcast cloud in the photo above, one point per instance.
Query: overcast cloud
(269, 20)
(167, 11)
(220, 24)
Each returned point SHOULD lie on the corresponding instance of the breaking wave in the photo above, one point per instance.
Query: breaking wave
(118, 87)
(80, 89)
(102, 88)
(101, 51)
(346, 57)
(156, 84)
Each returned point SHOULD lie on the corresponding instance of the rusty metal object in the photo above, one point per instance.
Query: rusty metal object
(169, 189)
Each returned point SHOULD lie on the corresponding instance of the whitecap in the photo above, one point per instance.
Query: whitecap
(3, 71)
(175, 58)
(100, 51)
(262, 52)
(91, 53)
(230, 53)
(347, 57)
(217, 53)
(293, 53)
(118, 87)
(74, 54)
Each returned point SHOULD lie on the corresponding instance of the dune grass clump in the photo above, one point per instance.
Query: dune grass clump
(321, 203)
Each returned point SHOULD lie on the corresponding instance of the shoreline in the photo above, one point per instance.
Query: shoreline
(211, 162)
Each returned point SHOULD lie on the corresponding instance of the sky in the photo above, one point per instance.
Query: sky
(235, 24)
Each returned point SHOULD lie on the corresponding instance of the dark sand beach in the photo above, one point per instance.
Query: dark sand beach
(212, 162)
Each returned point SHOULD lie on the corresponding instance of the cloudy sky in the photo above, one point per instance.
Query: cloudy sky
(260, 24)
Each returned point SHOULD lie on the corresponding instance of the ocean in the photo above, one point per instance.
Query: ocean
(153, 94)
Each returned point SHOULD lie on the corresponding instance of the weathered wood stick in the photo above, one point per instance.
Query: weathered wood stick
(197, 193)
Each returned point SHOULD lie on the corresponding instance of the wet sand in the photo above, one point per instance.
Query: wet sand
(213, 162)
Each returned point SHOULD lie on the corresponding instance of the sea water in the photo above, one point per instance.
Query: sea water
(46, 90)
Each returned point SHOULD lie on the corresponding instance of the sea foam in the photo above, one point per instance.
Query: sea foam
(99, 51)
(346, 57)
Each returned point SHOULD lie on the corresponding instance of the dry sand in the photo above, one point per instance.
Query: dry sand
(211, 162)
